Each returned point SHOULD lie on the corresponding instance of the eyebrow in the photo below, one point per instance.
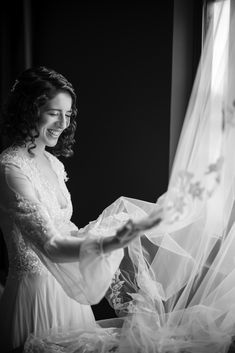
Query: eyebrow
(68, 111)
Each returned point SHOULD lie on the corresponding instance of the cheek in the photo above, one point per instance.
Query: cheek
(43, 122)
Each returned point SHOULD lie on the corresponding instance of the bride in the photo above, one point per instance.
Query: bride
(55, 270)
(175, 286)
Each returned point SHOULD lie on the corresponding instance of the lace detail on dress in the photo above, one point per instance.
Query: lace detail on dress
(34, 223)
(45, 191)
(31, 221)
(120, 296)
(57, 165)
(22, 259)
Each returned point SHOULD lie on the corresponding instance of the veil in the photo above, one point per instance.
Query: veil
(175, 288)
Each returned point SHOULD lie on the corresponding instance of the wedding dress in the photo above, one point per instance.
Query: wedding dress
(39, 294)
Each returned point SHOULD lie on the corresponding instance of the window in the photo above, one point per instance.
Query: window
(216, 18)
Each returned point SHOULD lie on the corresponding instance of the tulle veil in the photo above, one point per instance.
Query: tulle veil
(177, 284)
(175, 288)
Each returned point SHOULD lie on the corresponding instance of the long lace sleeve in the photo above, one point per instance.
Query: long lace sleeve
(83, 272)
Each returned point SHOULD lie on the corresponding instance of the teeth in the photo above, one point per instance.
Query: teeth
(54, 133)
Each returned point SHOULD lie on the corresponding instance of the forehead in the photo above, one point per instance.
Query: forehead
(61, 101)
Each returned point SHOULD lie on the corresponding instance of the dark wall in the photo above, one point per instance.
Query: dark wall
(119, 60)
(14, 42)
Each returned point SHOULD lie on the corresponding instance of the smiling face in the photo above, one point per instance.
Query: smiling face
(55, 116)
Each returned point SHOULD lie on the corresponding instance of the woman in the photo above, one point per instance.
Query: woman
(55, 271)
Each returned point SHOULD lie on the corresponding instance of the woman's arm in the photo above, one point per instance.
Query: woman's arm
(79, 264)
(18, 197)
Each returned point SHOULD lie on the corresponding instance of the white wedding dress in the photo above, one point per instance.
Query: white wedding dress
(41, 295)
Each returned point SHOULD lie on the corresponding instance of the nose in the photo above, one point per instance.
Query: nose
(62, 122)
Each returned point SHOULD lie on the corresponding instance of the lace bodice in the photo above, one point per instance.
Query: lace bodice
(22, 258)
(32, 221)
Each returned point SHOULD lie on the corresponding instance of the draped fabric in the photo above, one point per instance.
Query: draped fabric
(181, 282)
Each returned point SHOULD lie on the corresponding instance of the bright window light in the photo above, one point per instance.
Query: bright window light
(220, 16)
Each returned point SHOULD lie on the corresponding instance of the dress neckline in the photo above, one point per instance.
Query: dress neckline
(43, 178)
(54, 170)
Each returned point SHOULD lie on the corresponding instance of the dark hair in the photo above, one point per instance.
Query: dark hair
(32, 89)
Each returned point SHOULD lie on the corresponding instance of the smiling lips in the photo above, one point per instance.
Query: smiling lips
(54, 133)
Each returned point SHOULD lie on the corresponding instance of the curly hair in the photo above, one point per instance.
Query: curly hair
(21, 114)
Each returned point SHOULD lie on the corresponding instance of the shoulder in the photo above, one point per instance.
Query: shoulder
(11, 155)
(57, 164)
(12, 159)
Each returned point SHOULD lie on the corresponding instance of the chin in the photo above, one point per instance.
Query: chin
(51, 143)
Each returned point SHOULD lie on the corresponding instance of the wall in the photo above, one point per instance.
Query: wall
(119, 60)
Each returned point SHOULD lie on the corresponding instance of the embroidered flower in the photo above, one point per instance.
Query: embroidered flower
(196, 190)
(187, 188)
(115, 287)
(122, 308)
(215, 167)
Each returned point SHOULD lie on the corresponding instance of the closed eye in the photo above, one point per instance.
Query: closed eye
(54, 113)
(68, 116)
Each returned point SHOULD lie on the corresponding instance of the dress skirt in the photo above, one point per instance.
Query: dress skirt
(36, 303)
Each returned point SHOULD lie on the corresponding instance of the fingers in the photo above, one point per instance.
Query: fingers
(149, 222)
(127, 229)
(126, 234)
(125, 241)
(132, 230)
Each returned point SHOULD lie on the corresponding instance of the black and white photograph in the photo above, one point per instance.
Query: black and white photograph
(117, 176)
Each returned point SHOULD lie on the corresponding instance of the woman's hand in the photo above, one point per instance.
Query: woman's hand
(130, 231)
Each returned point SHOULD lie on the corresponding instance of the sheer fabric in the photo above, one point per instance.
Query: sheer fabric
(181, 281)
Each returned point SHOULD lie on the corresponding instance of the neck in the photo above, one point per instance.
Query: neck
(38, 151)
